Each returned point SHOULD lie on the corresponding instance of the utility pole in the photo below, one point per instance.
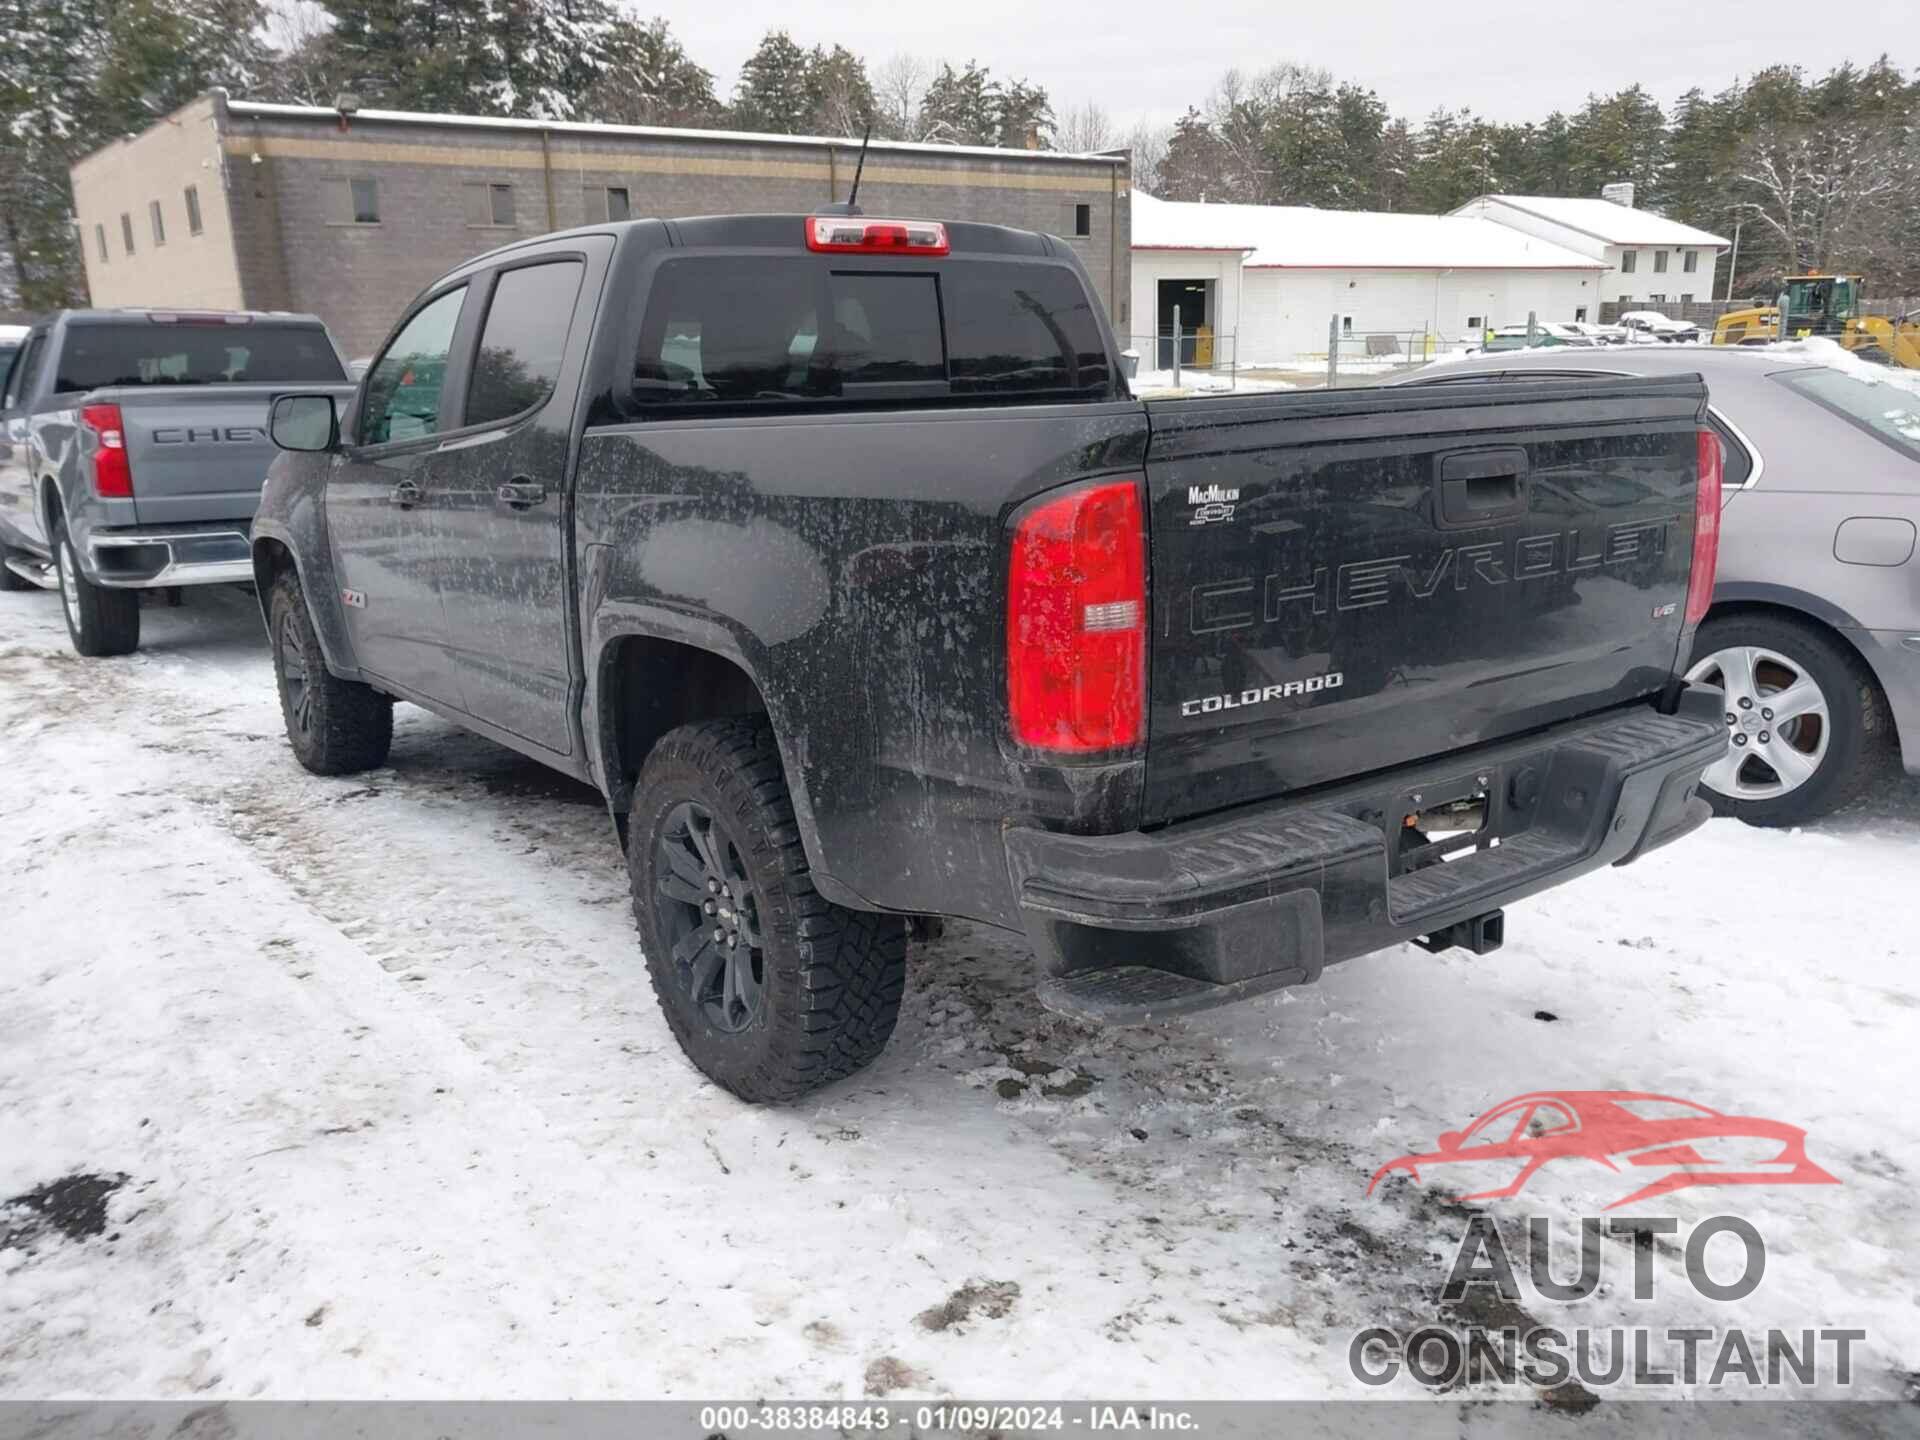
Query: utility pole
(1734, 263)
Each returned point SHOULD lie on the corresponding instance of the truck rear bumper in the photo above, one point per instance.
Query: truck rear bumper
(1134, 927)
(133, 559)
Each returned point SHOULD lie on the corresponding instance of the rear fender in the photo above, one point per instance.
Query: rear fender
(612, 621)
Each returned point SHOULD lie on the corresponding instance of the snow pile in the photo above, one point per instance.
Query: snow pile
(1818, 350)
(1200, 382)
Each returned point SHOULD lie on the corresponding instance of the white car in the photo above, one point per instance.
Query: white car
(1600, 334)
(1652, 325)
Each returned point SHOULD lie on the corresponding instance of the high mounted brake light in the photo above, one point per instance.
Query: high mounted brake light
(112, 472)
(176, 317)
(1706, 527)
(1077, 621)
(853, 235)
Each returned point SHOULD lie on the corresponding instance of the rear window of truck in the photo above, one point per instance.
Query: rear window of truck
(96, 357)
(733, 332)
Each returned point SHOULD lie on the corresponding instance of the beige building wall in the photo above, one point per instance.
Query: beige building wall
(126, 179)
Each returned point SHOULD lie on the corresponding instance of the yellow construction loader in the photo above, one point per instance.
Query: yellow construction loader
(1827, 305)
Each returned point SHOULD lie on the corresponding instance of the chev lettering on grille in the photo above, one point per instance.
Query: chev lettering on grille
(209, 435)
(1360, 584)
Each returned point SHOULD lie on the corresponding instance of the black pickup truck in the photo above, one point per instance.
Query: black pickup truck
(836, 553)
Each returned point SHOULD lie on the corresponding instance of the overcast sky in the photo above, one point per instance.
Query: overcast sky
(1507, 59)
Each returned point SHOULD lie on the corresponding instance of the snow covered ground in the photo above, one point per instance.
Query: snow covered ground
(396, 1115)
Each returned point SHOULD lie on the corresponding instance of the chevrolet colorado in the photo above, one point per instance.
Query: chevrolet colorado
(133, 449)
(835, 552)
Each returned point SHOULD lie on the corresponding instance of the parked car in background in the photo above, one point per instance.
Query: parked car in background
(1651, 325)
(821, 545)
(1814, 634)
(135, 443)
(1544, 334)
(1600, 334)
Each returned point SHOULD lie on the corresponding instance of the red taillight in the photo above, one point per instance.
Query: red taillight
(1077, 621)
(1706, 529)
(852, 235)
(112, 475)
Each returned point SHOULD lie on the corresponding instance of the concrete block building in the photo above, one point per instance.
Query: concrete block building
(236, 205)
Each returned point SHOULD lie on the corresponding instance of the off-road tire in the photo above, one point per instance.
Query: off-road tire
(1861, 748)
(100, 621)
(832, 978)
(348, 726)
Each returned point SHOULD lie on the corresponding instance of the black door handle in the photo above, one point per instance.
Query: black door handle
(406, 495)
(1477, 487)
(521, 494)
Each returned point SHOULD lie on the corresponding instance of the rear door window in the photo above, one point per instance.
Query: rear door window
(768, 332)
(1888, 410)
(523, 341)
(95, 357)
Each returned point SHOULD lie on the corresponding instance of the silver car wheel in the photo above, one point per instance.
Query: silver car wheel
(1777, 722)
(69, 584)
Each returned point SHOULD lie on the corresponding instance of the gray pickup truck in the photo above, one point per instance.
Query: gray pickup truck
(134, 447)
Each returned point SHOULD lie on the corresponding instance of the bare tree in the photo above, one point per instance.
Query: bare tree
(1827, 195)
(304, 70)
(1085, 129)
(899, 85)
(1147, 143)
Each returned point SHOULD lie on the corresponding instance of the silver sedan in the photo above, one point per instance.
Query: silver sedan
(1814, 634)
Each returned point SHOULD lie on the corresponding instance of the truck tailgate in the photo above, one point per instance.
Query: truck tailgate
(1343, 581)
(198, 452)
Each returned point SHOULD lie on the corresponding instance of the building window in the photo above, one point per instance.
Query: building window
(489, 204)
(1659, 262)
(100, 240)
(1686, 299)
(353, 202)
(1629, 261)
(126, 231)
(193, 209)
(159, 224)
(1579, 314)
(1657, 299)
(1083, 219)
(1473, 322)
(619, 203)
(1690, 262)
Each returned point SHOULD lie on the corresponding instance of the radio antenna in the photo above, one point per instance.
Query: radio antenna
(854, 194)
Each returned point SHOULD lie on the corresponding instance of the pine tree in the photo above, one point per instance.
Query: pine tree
(544, 55)
(840, 98)
(961, 107)
(1195, 165)
(772, 95)
(650, 80)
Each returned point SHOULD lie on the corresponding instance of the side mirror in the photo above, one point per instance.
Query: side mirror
(305, 423)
